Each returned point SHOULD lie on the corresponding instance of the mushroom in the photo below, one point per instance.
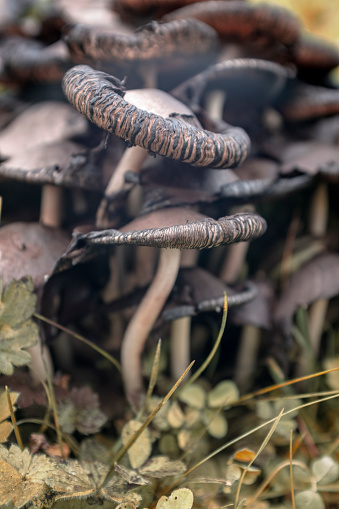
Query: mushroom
(175, 44)
(308, 102)
(100, 97)
(33, 130)
(31, 249)
(247, 86)
(180, 229)
(260, 24)
(27, 60)
(314, 57)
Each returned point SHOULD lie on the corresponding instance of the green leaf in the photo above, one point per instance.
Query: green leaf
(193, 395)
(17, 329)
(222, 395)
(309, 500)
(215, 422)
(325, 470)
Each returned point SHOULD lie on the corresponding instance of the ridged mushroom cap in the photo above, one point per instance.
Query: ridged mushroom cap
(180, 229)
(99, 97)
(185, 37)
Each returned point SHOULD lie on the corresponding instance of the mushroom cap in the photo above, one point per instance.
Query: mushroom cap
(244, 22)
(60, 163)
(40, 124)
(30, 249)
(246, 81)
(160, 103)
(185, 37)
(315, 54)
(99, 96)
(308, 102)
(186, 229)
(24, 59)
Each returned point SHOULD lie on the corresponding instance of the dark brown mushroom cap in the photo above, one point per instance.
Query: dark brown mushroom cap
(24, 60)
(308, 102)
(94, 95)
(197, 234)
(315, 54)
(186, 37)
(30, 249)
(244, 22)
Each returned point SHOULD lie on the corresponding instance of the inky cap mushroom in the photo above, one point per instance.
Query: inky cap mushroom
(99, 97)
(185, 229)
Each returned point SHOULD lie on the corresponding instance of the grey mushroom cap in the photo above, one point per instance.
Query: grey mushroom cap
(99, 97)
(30, 249)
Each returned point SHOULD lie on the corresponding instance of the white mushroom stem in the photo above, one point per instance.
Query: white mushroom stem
(51, 209)
(142, 322)
(132, 160)
(180, 346)
(181, 328)
(234, 262)
(41, 363)
(215, 104)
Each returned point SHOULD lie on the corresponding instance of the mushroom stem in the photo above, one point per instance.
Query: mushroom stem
(247, 356)
(234, 262)
(131, 160)
(319, 211)
(180, 346)
(142, 322)
(51, 206)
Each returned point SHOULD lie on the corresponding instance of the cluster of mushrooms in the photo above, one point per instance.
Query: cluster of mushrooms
(138, 139)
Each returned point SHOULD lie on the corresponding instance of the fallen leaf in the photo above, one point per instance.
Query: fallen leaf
(81, 412)
(6, 427)
(74, 480)
(140, 451)
(179, 499)
(17, 329)
(161, 466)
(131, 476)
(22, 476)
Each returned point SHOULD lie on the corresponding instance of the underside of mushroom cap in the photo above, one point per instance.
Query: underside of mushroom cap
(96, 96)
